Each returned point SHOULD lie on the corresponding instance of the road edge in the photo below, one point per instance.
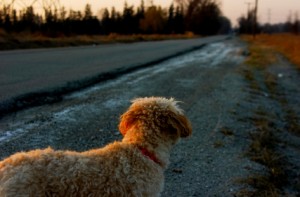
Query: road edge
(53, 95)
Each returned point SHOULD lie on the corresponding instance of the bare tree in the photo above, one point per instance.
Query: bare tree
(202, 16)
(153, 21)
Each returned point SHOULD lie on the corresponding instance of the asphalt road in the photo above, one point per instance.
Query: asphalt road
(33, 77)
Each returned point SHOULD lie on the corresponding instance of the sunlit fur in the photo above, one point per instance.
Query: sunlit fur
(118, 169)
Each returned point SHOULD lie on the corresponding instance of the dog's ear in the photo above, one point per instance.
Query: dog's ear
(126, 122)
(181, 124)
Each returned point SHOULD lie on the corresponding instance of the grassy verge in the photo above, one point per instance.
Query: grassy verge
(263, 51)
(263, 151)
(28, 40)
(276, 174)
(287, 44)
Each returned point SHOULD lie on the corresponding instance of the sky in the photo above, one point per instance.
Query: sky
(272, 11)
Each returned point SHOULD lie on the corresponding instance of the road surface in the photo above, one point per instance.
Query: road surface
(33, 77)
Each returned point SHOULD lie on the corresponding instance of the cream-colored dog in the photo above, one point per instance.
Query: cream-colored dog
(132, 167)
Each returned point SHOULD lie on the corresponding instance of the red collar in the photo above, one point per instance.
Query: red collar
(150, 155)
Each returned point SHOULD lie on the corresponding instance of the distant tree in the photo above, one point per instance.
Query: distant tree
(28, 20)
(7, 22)
(63, 14)
(154, 20)
(179, 20)
(89, 22)
(171, 20)
(247, 25)
(225, 25)
(129, 23)
(14, 17)
(289, 23)
(273, 28)
(73, 23)
(106, 22)
(114, 21)
(296, 24)
(201, 16)
(4, 17)
(1, 18)
(141, 10)
(140, 14)
(88, 14)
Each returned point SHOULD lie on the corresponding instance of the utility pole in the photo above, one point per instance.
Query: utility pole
(248, 6)
(248, 17)
(255, 19)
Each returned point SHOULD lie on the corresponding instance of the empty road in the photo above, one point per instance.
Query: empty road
(33, 77)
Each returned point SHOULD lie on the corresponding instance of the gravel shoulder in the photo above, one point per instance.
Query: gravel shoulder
(217, 97)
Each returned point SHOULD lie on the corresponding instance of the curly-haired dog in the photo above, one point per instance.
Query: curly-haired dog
(131, 167)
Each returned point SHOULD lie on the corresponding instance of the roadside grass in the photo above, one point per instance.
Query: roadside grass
(263, 51)
(226, 131)
(287, 44)
(264, 139)
(25, 40)
(262, 150)
(293, 122)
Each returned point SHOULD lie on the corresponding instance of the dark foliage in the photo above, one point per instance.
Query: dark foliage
(248, 25)
(198, 16)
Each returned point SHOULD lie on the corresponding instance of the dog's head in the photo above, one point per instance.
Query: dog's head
(156, 113)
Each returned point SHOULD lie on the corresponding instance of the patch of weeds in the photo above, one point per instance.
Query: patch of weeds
(260, 56)
(262, 185)
(260, 112)
(263, 151)
(226, 131)
(218, 144)
(291, 117)
(249, 76)
(271, 83)
(293, 125)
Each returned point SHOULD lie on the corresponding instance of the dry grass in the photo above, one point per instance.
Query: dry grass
(249, 76)
(262, 54)
(226, 131)
(218, 144)
(263, 150)
(293, 125)
(264, 142)
(38, 40)
(287, 44)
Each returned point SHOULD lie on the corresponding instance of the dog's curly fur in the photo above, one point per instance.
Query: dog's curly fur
(132, 167)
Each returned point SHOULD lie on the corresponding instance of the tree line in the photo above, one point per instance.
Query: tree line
(249, 25)
(202, 17)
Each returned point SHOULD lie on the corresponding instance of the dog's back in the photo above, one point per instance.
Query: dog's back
(115, 170)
